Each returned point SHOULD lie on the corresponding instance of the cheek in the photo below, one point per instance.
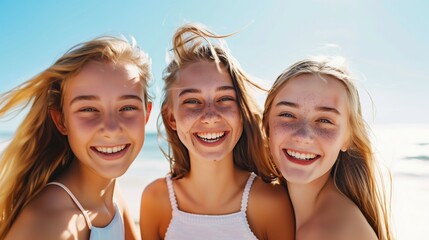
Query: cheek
(82, 125)
(185, 116)
(328, 135)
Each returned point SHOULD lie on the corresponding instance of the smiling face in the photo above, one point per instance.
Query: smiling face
(308, 126)
(104, 114)
(204, 111)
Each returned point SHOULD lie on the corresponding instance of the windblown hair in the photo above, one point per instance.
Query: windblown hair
(38, 153)
(354, 173)
(191, 44)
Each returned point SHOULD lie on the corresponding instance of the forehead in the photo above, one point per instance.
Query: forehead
(97, 77)
(203, 74)
(314, 89)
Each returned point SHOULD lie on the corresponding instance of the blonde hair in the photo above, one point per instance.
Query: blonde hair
(354, 171)
(38, 153)
(191, 44)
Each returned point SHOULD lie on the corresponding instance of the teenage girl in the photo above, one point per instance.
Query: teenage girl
(320, 145)
(214, 132)
(85, 126)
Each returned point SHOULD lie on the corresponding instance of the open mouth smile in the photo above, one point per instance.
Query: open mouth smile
(300, 157)
(210, 137)
(111, 152)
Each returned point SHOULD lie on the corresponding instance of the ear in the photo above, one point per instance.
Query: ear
(57, 118)
(171, 120)
(345, 146)
(148, 110)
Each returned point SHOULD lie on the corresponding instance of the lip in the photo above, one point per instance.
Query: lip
(298, 161)
(111, 156)
(211, 144)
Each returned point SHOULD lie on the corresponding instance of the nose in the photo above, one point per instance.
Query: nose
(210, 116)
(110, 125)
(303, 134)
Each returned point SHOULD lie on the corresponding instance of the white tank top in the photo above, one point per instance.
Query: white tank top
(190, 226)
(114, 230)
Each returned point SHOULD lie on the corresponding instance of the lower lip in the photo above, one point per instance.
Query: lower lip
(300, 162)
(112, 156)
(212, 144)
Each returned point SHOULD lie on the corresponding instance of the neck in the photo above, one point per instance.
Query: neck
(305, 197)
(91, 190)
(214, 180)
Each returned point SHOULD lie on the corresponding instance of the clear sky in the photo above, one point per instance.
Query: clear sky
(386, 43)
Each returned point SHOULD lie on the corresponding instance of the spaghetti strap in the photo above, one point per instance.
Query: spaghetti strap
(173, 200)
(245, 197)
(87, 219)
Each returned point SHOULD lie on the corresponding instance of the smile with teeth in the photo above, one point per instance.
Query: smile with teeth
(301, 156)
(109, 150)
(210, 137)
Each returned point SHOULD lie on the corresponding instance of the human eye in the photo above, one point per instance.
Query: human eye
(128, 108)
(226, 99)
(325, 121)
(191, 101)
(286, 115)
(88, 109)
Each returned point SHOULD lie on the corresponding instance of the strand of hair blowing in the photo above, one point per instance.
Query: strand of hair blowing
(36, 151)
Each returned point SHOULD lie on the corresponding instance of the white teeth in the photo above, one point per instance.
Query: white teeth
(211, 137)
(301, 156)
(111, 149)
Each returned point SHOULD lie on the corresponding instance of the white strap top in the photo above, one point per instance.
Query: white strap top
(114, 230)
(191, 226)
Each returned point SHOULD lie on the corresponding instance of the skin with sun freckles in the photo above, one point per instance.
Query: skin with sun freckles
(205, 115)
(308, 126)
(206, 104)
(309, 116)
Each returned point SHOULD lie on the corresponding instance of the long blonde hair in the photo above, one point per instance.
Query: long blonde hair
(354, 172)
(191, 44)
(38, 153)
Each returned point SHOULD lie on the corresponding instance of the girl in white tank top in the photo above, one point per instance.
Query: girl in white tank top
(85, 127)
(215, 144)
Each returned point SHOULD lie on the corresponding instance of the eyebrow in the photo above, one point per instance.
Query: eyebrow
(328, 109)
(319, 108)
(194, 90)
(288, 104)
(95, 98)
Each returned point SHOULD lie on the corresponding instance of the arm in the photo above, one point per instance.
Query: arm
(51, 215)
(270, 212)
(282, 224)
(131, 232)
(155, 210)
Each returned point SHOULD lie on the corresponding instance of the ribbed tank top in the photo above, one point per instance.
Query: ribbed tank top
(114, 230)
(191, 226)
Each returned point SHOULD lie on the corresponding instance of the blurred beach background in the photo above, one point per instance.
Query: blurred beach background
(384, 42)
(402, 150)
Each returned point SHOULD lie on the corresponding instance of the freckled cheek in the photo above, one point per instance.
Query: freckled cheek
(327, 135)
(280, 128)
(185, 117)
(230, 112)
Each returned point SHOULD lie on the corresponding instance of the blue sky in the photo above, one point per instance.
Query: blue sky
(385, 42)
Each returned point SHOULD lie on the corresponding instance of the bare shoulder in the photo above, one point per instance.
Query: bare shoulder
(50, 215)
(155, 195)
(270, 211)
(155, 210)
(337, 217)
